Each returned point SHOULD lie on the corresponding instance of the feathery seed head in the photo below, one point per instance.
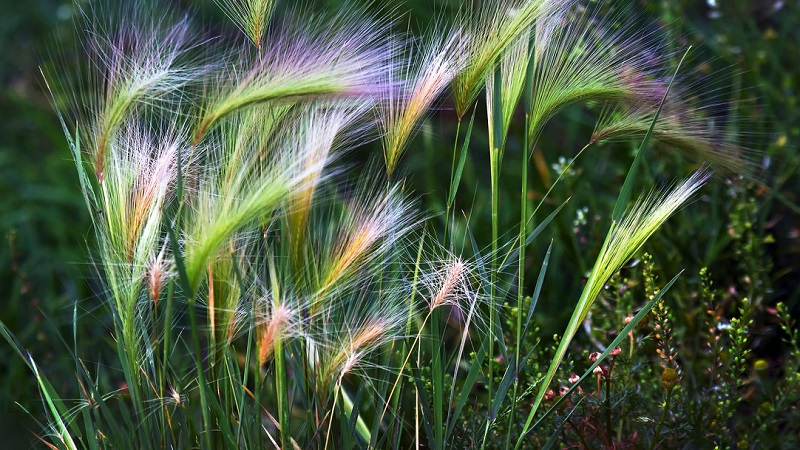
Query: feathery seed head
(451, 281)
(278, 320)
(580, 57)
(513, 66)
(366, 329)
(136, 65)
(636, 226)
(447, 283)
(429, 69)
(346, 57)
(372, 227)
(158, 272)
(323, 129)
(367, 339)
(139, 181)
(624, 239)
(237, 188)
(138, 184)
(250, 16)
(692, 131)
(491, 29)
(348, 330)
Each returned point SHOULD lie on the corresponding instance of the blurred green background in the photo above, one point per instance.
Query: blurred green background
(749, 47)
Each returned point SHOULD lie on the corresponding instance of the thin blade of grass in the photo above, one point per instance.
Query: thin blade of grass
(502, 389)
(351, 422)
(93, 395)
(481, 265)
(54, 404)
(498, 331)
(111, 417)
(469, 381)
(538, 289)
(247, 360)
(554, 437)
(630, 178)
(461, 161)
(351, 412)
(437, 378)
(424, 402)
(512, 256)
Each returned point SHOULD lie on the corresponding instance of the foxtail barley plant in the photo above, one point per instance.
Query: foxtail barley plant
(262, 298)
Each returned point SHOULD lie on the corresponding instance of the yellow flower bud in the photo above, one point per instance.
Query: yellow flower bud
(669, 378)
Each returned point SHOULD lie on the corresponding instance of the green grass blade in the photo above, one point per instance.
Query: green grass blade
(538, 290)
(554, 437)
(512, 256)
(354, 421)
(437, 378)
(56, 407)
(354, 410)
(85, 413)
(630, 179)
(498, 332)
(502, 388)
(237, 275)
(469, 381)
(480, 263)
(103, 410)
(424, 401)
(461, 162)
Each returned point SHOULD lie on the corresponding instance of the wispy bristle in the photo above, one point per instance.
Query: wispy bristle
(140, 63)
(317, 132)
(427, 73)
(623, 241)
(368, 338)
(694, 132)
(344, 57)
(580, 57)
(250, 16)
(158, 272)
(447, 283)
(276, 321)
(139, 183)
(236, 188)
(375, 224)
(491, 29)
(638, 224)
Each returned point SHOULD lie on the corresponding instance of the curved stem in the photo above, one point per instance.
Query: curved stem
(523, 232)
